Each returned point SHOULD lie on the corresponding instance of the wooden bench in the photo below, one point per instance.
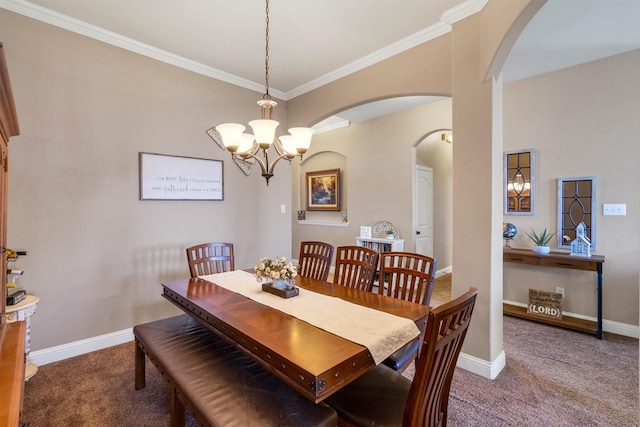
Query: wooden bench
(216, 383)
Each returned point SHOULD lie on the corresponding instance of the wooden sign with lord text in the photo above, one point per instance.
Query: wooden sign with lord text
(546, 304)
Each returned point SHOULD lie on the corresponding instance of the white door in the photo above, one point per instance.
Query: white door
(424, 210)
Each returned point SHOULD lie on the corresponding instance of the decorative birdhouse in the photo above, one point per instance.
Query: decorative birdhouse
(581, 246)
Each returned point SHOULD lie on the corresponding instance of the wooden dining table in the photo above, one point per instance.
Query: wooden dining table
(311, 360)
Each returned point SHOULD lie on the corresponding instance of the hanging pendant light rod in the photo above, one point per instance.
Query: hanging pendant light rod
(243, 145)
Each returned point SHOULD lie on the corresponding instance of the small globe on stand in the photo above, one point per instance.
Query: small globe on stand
(508, 232)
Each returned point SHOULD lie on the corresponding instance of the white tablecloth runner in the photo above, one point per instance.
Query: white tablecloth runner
(381, 333)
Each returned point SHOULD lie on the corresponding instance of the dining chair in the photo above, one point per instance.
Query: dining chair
(355, 267)
(210, 258)
(410, 277)
(315, 260)
(384, 397)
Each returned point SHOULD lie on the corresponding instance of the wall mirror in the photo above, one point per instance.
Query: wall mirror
(576, 204)
(519, 182)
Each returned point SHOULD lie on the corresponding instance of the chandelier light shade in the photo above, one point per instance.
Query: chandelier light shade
(243, 145)
(231, 134)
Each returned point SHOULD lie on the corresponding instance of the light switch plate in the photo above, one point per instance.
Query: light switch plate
(619, 209)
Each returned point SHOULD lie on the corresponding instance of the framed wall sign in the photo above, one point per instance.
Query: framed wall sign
(166, 177)
(323, 190)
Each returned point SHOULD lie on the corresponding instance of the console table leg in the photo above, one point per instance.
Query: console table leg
(599, 297)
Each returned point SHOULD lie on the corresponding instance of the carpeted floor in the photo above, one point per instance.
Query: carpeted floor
(554, 377)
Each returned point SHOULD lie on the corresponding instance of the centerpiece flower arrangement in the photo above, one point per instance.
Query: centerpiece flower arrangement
(276, 270)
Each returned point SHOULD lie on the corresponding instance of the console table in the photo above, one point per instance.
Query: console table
(559, 260)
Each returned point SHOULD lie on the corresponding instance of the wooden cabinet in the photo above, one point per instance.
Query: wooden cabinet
(559, 260)
(12, 335)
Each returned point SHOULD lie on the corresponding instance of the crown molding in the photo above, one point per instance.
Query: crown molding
(48, 16)
(463, 10)
(65, 22)
(444, 26)
(373, 58)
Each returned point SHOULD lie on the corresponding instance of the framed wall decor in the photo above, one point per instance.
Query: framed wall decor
(576, 208)
(323, 190)
(166, 177)
(519, 182)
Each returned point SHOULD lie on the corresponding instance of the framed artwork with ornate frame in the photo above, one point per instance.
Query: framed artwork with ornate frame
(323, 190)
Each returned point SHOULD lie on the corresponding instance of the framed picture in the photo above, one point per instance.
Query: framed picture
(165, 177)
(323, 190)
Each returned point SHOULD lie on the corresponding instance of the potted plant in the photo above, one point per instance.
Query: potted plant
(390, 234)
(541, 241)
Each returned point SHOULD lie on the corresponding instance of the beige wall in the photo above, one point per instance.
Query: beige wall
(434, 153)
(457, 64)
(477, 165)
(377, 158)
(582, 121)
(423, 70)
(97, 255)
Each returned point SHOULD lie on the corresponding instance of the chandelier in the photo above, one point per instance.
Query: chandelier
(245, 145)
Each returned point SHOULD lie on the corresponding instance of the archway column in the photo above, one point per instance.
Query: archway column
(455, 63)
(477, 179)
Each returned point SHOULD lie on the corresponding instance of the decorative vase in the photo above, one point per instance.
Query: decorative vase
(283, 284)
(541, 249)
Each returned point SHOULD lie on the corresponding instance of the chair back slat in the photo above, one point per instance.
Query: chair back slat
(355, 267)
(315, 260)
(446, 329)
(407, 276)
(210, 258)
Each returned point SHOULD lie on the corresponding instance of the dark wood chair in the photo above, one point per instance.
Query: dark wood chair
(410, 277)
(355, 267)
(384, 397)
(210, 258)
(315, 260)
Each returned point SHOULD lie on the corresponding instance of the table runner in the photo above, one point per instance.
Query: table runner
(381, 333)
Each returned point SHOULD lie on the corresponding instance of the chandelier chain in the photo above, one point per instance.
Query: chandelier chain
(266, 54)
(243, 146)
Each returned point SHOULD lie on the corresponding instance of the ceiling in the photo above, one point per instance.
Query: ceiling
(315, 42)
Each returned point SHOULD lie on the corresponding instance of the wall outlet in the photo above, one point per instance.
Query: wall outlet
(560, 290)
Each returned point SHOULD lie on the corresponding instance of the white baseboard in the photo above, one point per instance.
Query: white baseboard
(470, 363)
(65, 351)
(614, 327)
(444, 271)
(481, 367)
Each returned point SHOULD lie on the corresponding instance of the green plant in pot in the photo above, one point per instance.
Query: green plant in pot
(541, 241)
(390, 234)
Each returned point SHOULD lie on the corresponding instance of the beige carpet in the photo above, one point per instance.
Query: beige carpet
(554, 377)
